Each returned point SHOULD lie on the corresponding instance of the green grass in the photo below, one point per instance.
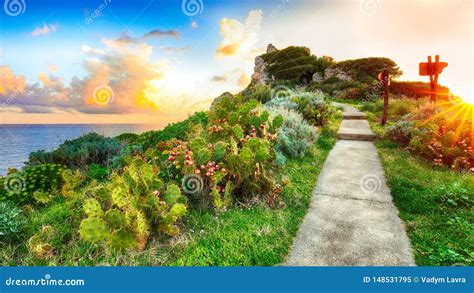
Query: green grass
(435, 204)
(255, 235)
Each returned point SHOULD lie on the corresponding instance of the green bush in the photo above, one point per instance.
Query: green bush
(12, 220)
(295, 137)
(20, 187)
(294, 63)
(310, 105)
(81, 152)
(260, 92)
(177, 130)
(366, 70)
(130, 209)
(415, 89)
(98, 172)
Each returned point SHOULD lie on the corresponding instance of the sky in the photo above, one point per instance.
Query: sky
(143, 61)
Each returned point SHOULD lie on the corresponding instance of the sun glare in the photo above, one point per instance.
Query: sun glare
(465, 93)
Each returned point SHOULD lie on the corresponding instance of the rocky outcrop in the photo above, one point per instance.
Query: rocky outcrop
(260, 74)
(336, 72)
(271, 48)
(317, 77)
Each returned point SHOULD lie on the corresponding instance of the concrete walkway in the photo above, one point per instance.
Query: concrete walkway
(352, 220)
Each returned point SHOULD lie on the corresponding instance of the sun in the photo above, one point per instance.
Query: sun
(464, 93)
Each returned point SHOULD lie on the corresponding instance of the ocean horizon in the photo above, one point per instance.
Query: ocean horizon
(19, 140)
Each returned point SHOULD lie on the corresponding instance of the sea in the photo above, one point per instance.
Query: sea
(18, 141)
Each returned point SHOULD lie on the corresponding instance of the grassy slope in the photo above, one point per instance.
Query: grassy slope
(255, 236)
(441, 231)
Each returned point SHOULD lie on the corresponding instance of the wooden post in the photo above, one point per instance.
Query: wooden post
(386, 79)
(435, 80)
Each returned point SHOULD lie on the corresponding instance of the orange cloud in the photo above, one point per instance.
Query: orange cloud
(10, 83)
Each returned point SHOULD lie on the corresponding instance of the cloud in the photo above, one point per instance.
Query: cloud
(135, 84)
(219, 78)
(243, 80)
(160, 33)
(240, 39)
(46, 29)
(177, 50)
(125, 38)
(10, 83)
(194, 25)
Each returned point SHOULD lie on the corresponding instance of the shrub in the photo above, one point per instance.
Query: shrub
(294, 63)
(98, 172)
(131, 208)
(79, 153)
(232, 158)
(367, 69)
(295, 136)
(260, 92)
(177, 130)
(401, 131)
(415, 89)
(11, 220)
(311, 106)
(20, 187)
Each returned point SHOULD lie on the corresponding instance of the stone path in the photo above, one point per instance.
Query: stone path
(352, 220)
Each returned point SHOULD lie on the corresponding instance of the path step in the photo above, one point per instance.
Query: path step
(355, 129)
(354, 116)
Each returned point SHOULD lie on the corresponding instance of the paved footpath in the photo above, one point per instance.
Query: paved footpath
(352, 220)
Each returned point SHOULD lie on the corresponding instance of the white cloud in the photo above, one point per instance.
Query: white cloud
(45, 29)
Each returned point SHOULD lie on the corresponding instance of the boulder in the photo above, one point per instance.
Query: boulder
(337, 72)
(317, 77)
(271, 48)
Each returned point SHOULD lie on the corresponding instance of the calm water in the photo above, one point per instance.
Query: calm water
(17, 141)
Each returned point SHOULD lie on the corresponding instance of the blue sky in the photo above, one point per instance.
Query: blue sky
(156, 57)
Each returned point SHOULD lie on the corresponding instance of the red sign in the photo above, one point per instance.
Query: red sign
(427, 69)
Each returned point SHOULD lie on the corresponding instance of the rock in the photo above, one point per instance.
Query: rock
(219, 98)
(317, 77)
(337, 72)
(271, 48)
(260, 75)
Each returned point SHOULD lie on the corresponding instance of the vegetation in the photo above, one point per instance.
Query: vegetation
(295, 63)
(435, 204)
(230, 186)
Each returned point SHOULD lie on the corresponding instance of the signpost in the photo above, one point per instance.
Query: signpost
(433, 70)
(384, 78)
